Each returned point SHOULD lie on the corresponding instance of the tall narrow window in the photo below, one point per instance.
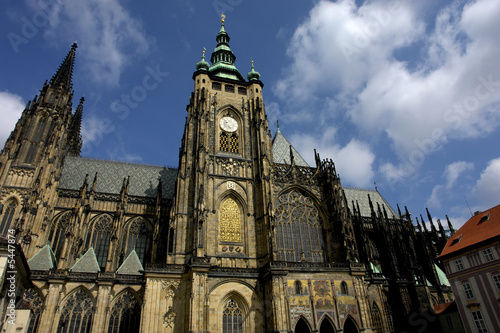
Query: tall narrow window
(232, 318)
(99, 237)
(377, 319)
(479, 321)
(40, 127)
(299, 234)
(344, 290)
(76, 316)
(57, 234)
(8, 216)
(224, 142)
(233, 143)
(468, 290)
(35, 303)
(298, 288)
(138, 237)
(496, 279)
(230, 221)
(125, 315)
(459, 264)
(31, 154)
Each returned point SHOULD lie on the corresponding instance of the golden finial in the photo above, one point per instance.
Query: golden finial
(204, 49)
(223, 17)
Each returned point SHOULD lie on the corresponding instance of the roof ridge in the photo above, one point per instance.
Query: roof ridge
(102, 159)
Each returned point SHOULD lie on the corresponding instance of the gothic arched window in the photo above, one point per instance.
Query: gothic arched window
(125, 315)
(8, 216)
(138, 237)
(298, 288)
(230, 221)
(57, 234)
(377, 319)
(299, 233)
(35, 303)
(99, 237)
(76, 316)
(344, 290)
(224, 142)
(229, 143)
(232, 318)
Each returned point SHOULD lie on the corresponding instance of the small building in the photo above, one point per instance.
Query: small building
(471, 259)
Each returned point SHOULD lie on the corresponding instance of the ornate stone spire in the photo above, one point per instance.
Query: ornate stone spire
(64, 74)
(74, 128)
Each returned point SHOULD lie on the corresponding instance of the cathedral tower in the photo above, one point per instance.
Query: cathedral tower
(32, 158)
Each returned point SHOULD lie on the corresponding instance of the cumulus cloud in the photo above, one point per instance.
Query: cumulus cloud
(110, 35)
(487, 189)
(11, 107)
(354, 161)
(398, 74)
(451, 174)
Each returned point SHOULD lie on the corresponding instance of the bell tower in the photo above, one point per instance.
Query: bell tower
(223, 187)
(31, 160)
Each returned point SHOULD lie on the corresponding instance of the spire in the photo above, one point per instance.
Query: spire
(253, 75)
(74, 136)
(450, 226)
(65, 72)
(223, 58)
(203, 64)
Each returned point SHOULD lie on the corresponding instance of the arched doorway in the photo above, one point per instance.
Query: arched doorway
(326, 326)
(350, 326)
(302, 326)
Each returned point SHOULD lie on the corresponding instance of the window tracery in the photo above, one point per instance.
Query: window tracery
(7, 217)
(299, 233)
(35, 302)
(57, 234)
(232, 318)
(125, 315)
(377, 319)
(230, 221)
(99, 237)
(76, 316)
(138, 237)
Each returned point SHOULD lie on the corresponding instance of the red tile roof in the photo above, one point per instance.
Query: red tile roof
(479, 228)
(440, 308)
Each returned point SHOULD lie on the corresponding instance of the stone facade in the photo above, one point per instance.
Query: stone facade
(244, 236)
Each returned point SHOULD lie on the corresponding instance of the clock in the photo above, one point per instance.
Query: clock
(228, 124)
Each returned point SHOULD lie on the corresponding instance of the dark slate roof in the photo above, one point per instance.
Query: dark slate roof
(87, 263)
(361, 195)
(143, 178)
(131, 265)
(281, 151)
(43, 260)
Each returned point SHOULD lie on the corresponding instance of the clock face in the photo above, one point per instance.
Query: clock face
(228, 124)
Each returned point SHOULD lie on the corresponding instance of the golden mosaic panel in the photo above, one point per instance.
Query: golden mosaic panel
(230, 224)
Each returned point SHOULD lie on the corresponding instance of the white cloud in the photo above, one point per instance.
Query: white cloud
(108, 34)
(448, 88)
(487, 189)
(11, 107)
(451, 174)
(353, 162)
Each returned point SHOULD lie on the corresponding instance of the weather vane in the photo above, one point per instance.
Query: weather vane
(223, 17)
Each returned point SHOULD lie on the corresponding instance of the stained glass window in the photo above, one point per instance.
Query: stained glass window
(7, 217)
(230, 224)
(299, 233)
(76, 316)
(125, 315)
(57, 234)
(139, 237)
(232, 318)
(99, 237)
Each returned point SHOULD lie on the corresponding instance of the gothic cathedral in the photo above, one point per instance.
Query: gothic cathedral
(243, 237)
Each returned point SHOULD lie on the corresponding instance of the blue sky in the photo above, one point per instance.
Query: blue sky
(405, 95)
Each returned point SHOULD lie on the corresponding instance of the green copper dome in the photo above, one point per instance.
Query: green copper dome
(203, 64)
(223, 58)
(253, 75)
